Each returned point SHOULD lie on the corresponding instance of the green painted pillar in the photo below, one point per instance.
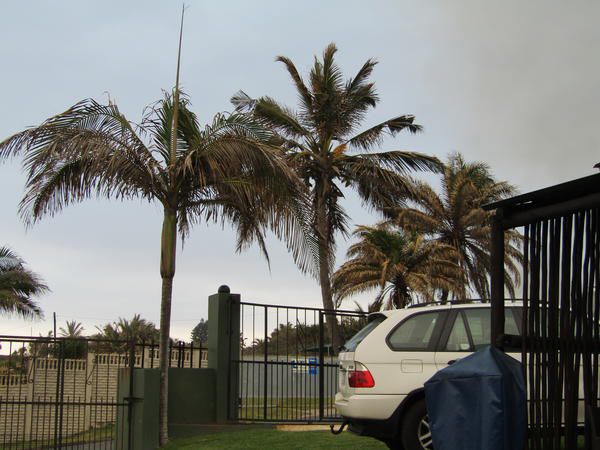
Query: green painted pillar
(144, 419)
(224, 350)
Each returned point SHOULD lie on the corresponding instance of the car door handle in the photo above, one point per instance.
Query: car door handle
(452, 361)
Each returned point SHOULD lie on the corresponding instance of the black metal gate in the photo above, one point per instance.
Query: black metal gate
(286, 369)
(65, 393)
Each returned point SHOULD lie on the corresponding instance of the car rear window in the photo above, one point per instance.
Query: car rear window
(414, 333)
(353, 342)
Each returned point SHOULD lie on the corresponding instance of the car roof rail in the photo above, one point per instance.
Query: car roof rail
(461, 302)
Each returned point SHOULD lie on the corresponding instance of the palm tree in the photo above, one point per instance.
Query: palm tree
(403, 266)
(73, 329)
(223, 172)
(18, 286)
(455, 218)
(322, 144)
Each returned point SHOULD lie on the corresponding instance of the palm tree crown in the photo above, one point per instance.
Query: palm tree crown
(92, 149)
(18, 286)
(403, 266)
(455, 218)
(323, 145)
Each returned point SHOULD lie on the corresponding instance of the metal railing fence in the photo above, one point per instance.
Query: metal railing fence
(287, 367)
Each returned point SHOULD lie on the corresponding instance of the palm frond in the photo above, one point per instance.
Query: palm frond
(304, 94)
(18, 286)
(373, 136)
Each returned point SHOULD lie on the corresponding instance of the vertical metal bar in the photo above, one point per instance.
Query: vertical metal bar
(130, 396)
(62, 390)
(265, 381)
(278, 367)
(525, 314)
(181, 356)
(192, 354)
(56, 402)
(6, 426)
(321, 374)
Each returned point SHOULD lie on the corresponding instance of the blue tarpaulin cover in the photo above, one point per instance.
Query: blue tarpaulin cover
(478, 403)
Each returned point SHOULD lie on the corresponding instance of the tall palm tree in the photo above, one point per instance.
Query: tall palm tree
(19, 286)
(222, 172)
(455, 218)
(403, 266)
(323, 145)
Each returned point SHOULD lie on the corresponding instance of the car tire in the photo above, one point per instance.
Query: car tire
(415, 433)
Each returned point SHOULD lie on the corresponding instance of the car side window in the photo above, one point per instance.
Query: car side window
(414, 333)
(458, 341)
(474, 334)
(479, 324)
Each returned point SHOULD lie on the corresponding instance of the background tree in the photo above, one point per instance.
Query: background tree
(19, 286)
(454, 217)
(72, 329)
(137, 329)
(200, 332)
(322, 144)
(74, 346)
(404, 267)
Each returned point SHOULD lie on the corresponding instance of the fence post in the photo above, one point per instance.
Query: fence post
(497, 279)
(224, 350)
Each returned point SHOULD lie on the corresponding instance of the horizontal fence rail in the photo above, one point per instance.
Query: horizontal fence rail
(287, 366)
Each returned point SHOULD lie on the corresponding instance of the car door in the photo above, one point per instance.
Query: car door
(468, 330)
(409, 353)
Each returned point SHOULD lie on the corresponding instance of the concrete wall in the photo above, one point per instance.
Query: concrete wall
(191, 396)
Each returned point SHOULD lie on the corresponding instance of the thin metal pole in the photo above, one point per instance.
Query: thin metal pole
(130, 399)
(321, 366)
(265, 381)
(61, 364)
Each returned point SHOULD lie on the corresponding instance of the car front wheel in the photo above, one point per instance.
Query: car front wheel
(415, 432)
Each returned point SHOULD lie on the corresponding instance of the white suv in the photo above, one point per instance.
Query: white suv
(384, 366)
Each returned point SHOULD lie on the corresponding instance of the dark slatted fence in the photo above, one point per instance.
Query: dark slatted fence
(561, 303)
(562, 308)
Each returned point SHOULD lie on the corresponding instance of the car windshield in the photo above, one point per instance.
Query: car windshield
(353, 342)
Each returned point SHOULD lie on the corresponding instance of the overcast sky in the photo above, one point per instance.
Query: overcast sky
(511, 83)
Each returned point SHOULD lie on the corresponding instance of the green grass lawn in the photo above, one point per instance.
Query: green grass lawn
(271, 438)
(249, 437)
(98, 434)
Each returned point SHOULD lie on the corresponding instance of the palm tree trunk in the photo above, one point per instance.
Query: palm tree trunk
(167, 272)
(444, 296)
(324, 275)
